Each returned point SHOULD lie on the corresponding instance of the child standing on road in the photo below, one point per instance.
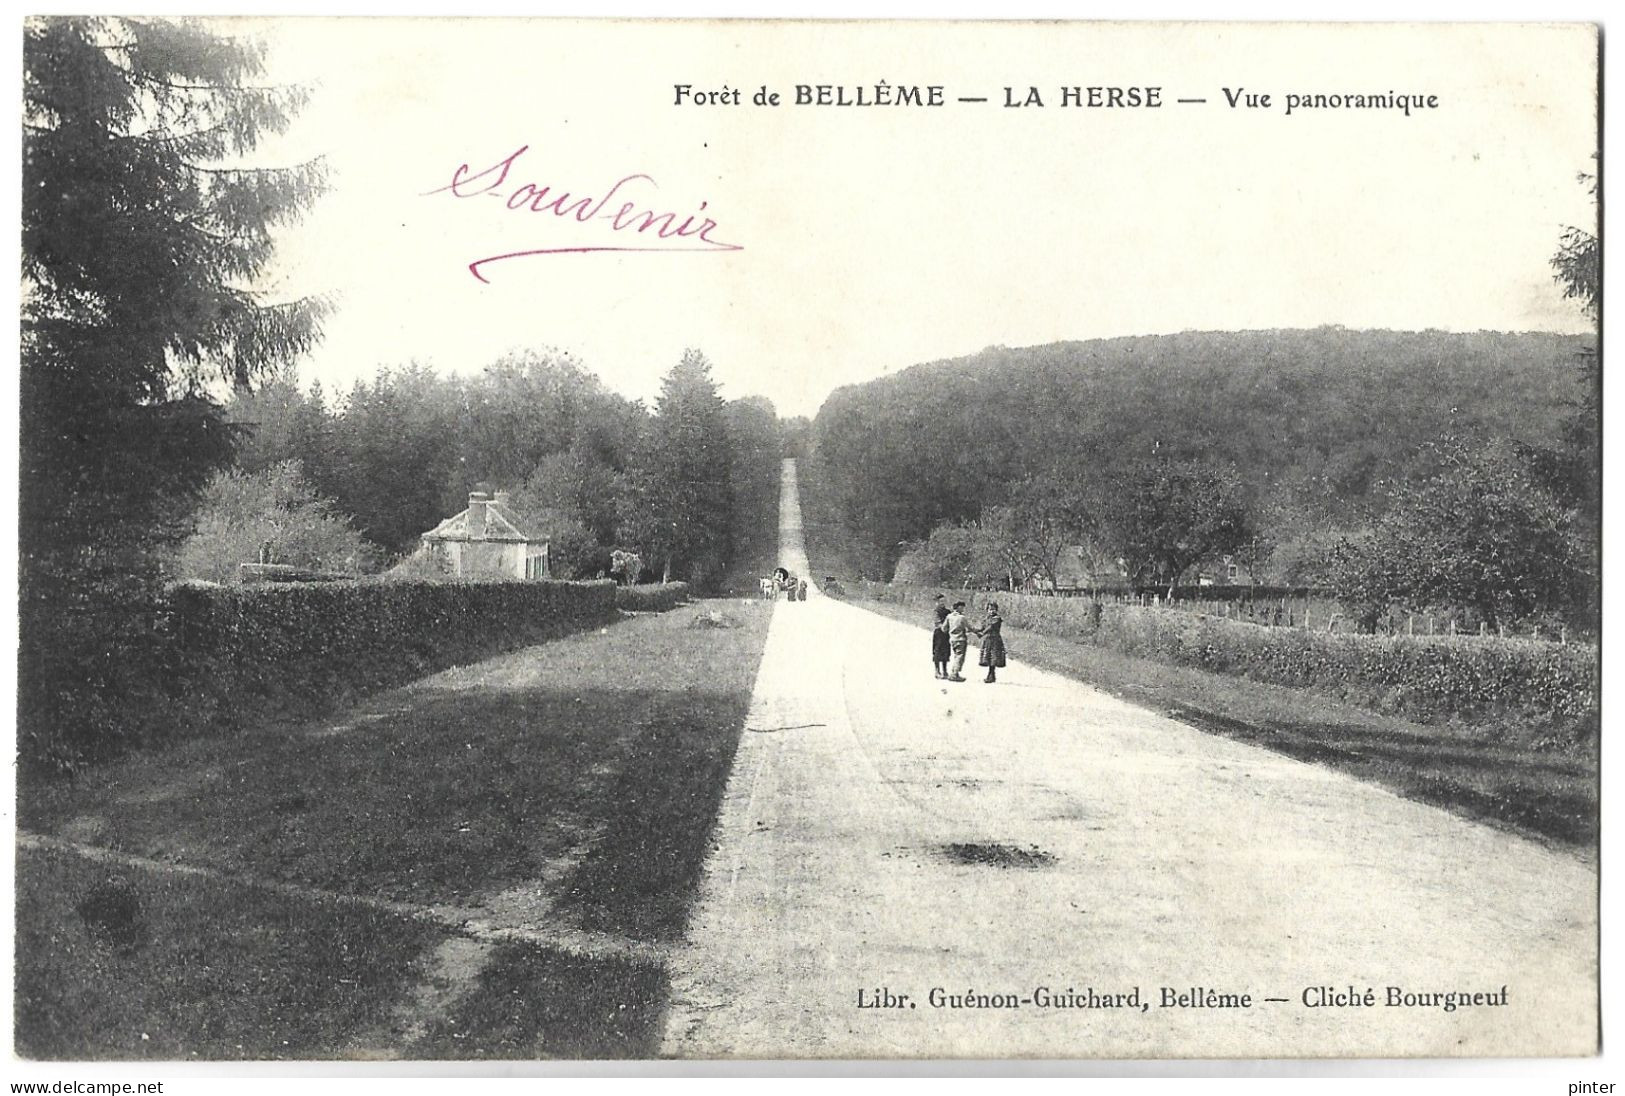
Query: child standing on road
(958, 639)
(939, 637)
(992, 642)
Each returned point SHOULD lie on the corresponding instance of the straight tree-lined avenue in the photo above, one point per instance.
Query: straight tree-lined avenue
(385, 691)
(884, 835)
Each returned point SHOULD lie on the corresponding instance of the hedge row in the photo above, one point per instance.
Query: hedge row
(652, 598)
(199, 659)
(1476, 679)
(308, 645)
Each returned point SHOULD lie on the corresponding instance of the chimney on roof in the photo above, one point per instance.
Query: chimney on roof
(477, 502)
(501, 498)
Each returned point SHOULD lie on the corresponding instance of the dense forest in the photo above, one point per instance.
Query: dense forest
(1287, 446)
(688, 483)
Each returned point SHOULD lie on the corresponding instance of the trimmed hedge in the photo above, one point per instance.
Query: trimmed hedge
(299, 649)
(1477, 679)
(654, 598)
(203, 658)
(306, 646)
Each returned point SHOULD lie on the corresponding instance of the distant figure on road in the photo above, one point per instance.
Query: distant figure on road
(940, 652)
(992, 642)
(801, 590)
(781, 581)
(958, 639)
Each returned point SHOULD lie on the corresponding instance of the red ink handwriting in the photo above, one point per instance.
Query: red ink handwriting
(648, 229)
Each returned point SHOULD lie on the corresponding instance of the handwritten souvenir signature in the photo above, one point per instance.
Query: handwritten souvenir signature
(648, 228)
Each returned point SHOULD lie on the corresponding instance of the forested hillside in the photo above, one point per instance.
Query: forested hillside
(1311, 431)
(689, 483)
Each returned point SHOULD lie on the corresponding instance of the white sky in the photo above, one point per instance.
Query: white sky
(876, 238)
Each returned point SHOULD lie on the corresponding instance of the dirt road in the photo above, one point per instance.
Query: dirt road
(942, 850)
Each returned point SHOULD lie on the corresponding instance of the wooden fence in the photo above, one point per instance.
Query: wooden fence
(1317, 611)
(1311, 608)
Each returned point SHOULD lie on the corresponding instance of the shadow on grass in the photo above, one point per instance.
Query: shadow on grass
(587, 772)
(213, 971)
(462, 785)
(641, 875)
(207, 969)
(467, 793)
(1482, 784)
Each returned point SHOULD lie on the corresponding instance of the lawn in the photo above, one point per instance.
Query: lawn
(122, 964)
(572, 785)
(1549, 793)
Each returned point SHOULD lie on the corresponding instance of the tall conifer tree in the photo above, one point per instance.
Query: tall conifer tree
(144, 228)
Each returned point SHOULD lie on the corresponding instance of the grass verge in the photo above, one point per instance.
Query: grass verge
(130, 965)
(534, 1002)
(576, 782)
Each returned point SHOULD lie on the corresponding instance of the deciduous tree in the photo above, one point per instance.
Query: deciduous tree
(276, 513)
(1480, 532)
(1054, 513)
(1164, 515)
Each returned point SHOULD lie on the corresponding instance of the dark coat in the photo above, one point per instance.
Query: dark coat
(992, 642)
(940, 649)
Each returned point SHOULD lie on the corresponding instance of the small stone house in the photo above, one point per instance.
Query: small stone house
(487, 540)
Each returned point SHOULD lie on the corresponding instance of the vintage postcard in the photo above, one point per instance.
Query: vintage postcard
(489, 488)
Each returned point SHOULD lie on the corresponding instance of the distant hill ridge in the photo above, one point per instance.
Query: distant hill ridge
(1312, 420)
(1277, 344)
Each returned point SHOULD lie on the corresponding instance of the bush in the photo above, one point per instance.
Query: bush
(1482, 532)
(653, 598)
(269, 516)
(1477, 679)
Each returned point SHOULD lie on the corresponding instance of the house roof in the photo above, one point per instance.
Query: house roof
(501, 524)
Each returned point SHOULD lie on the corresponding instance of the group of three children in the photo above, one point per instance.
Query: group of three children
(950, 640)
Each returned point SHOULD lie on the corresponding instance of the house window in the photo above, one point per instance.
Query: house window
(1234, 572)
